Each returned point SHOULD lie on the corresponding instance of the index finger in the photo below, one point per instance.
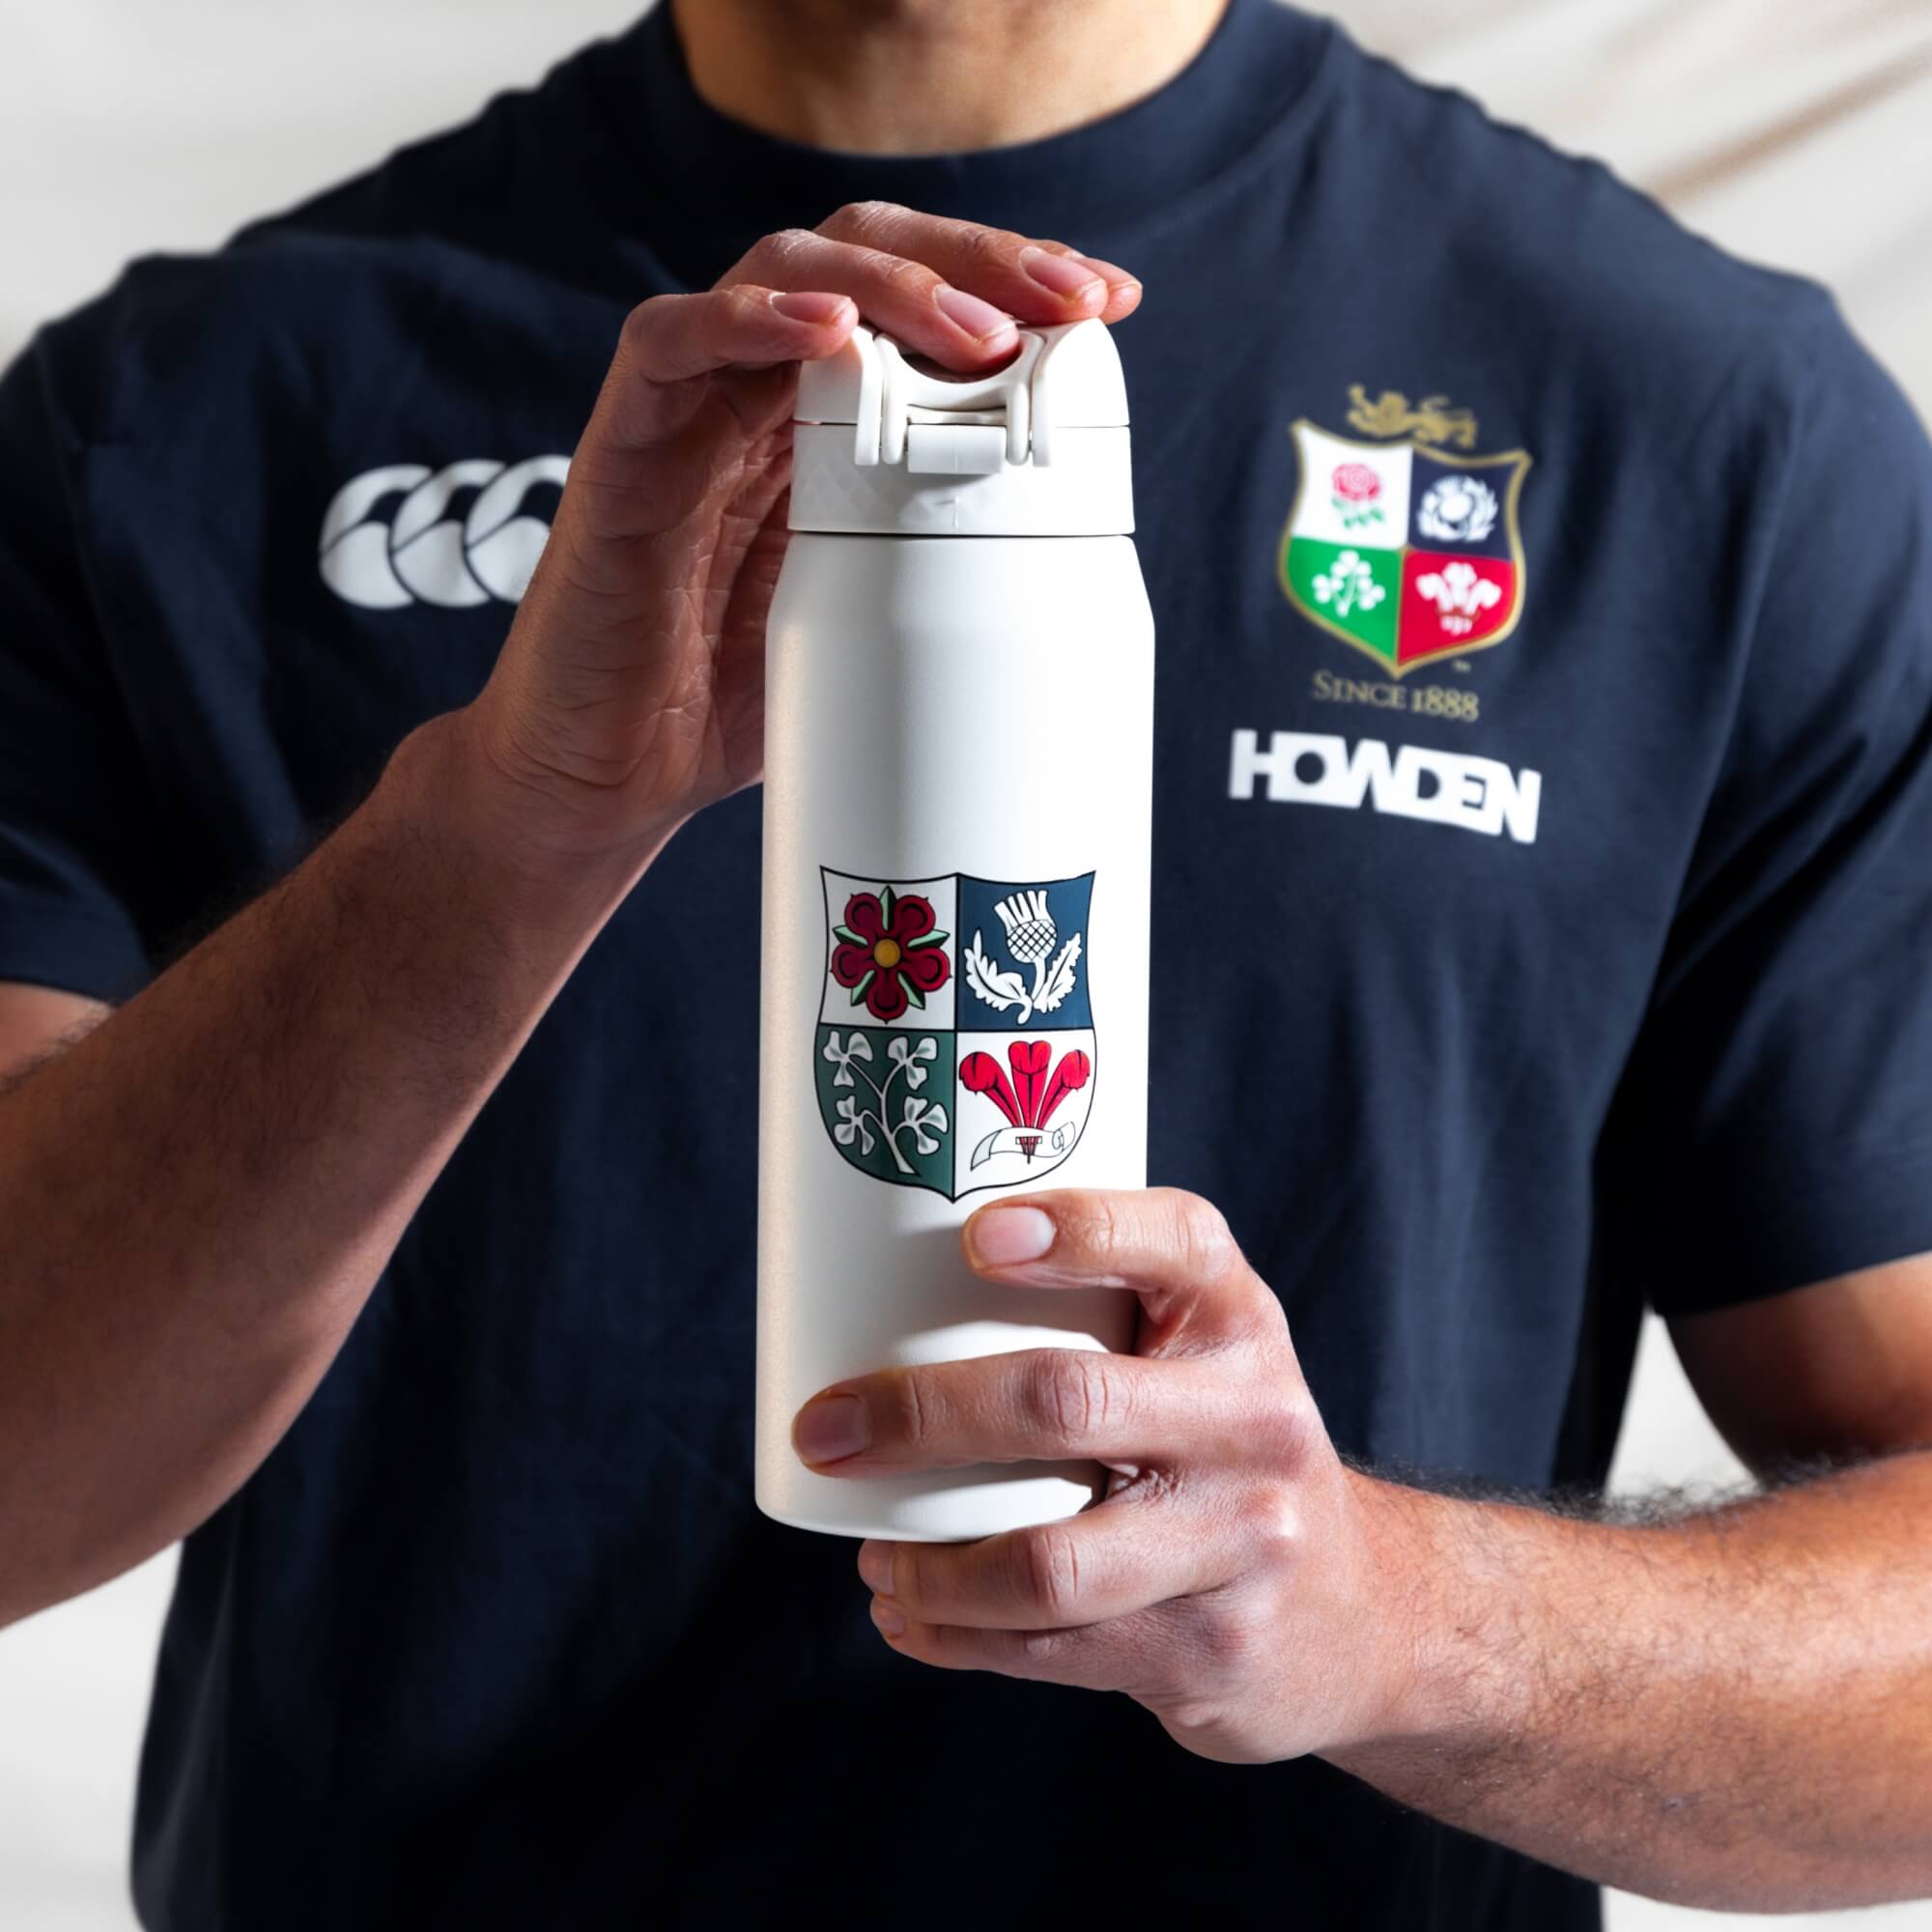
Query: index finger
(675, 337)
(1033, 1406)
(1037, 280)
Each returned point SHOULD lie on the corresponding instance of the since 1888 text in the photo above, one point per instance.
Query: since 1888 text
(1423, 700)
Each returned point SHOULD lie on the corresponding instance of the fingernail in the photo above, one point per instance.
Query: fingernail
(1002, 1236)
(1107, 271)
(810, 305)
(975, 317)
(888, 1618)
(831, 1428)
(1060, 274)
(876, 1566)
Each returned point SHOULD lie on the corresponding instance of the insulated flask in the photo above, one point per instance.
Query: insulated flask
(958, 766)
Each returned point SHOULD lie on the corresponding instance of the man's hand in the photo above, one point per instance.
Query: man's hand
(630, 693)
(1230, 1582)
(233, 1155)
(1726, 1708)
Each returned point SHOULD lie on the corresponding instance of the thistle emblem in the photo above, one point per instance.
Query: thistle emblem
(1031, 934)
(1458, 510)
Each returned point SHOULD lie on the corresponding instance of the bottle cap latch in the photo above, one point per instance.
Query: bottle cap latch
(1038, 446)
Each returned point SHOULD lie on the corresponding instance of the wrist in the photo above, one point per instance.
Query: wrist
(1447, 1592)
(442, 785)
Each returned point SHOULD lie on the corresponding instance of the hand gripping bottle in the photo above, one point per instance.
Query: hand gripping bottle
(958, 765)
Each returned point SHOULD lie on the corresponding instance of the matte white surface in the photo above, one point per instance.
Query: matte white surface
(981, 705)
(1795, 131)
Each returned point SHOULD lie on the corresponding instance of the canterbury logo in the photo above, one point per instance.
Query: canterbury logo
(423, 555)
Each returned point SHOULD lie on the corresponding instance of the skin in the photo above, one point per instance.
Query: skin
(201, 1188)
(1730, 1708)
(859, 74)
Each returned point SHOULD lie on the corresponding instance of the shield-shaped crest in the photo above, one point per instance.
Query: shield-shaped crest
(955, 1047)
(1403, 551)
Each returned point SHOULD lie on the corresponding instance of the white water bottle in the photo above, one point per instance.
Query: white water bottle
(958, 768)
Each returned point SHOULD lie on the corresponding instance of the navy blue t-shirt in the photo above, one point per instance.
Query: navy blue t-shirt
(1540, 916)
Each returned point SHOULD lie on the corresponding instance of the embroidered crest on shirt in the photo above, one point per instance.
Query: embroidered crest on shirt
(955, 1047)
(1407, 553)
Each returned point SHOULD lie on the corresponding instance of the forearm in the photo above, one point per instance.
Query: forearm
(199, 1195)
(197, 1198)
(1731, 1709)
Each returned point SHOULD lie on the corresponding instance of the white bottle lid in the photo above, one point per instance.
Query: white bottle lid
(1039, 448)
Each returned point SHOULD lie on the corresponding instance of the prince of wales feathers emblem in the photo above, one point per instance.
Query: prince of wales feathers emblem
(1406, 552)
(950, 1062)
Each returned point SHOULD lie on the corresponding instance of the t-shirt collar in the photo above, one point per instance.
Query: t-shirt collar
(717, 177)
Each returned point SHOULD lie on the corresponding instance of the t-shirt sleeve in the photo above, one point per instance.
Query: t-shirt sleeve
(1774, 1127)
(76, 827)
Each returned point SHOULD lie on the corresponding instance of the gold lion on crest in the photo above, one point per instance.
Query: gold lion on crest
(1431, 420)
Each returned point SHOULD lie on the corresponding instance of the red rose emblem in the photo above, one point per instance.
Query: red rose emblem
(889, 953)
(1357, 483)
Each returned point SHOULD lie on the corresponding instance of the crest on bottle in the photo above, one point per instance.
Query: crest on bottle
(1405, 552)
(955, 1047)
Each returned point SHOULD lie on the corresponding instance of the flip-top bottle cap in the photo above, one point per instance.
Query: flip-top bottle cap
(1037, 448)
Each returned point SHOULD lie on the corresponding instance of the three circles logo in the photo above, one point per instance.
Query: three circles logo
(401, 535)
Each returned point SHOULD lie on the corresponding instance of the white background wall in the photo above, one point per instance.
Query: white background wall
(1793, 131)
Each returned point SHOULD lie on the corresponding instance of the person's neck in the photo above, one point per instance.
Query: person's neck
(933, 76)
